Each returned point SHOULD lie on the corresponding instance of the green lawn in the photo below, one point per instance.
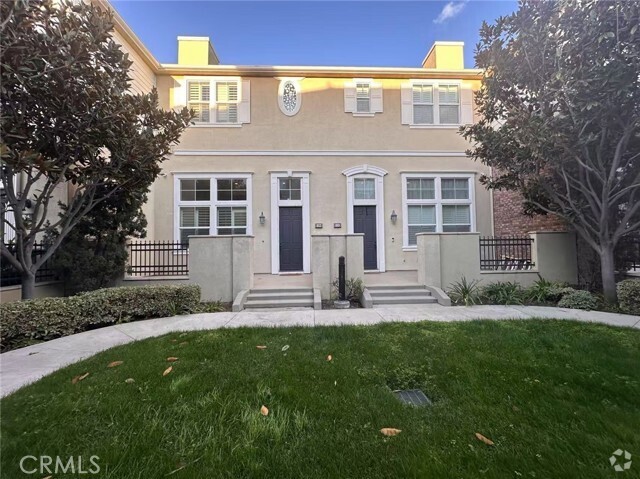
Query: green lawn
(557, 398)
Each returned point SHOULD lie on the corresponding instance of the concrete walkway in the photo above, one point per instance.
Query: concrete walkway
(23, 366)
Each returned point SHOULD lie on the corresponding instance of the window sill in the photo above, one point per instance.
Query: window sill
(216, 125)
(364, 115)
(409, 248)
(435, 127)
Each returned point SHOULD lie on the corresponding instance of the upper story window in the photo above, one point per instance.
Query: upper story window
(363, 97)
(218, 100)
(436, 203)
(227, 102)
(423, 104)
(212, 205)
(436, 103)
(200, 100)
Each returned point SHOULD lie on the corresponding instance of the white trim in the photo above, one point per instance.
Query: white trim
(296, 84)
(368, 171)
(213, 204)
(275, 218)
(437, 202)
(364, 169)
(365, 153)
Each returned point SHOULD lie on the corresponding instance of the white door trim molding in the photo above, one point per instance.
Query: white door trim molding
(377, 173)
(275, 218)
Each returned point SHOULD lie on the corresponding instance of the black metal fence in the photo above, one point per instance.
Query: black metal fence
(10, 277)
(628, 253)
(507, 253)
(158, 258)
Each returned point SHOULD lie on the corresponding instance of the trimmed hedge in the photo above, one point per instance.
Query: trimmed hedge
(578, 299)
(629, 296)
(25, 322)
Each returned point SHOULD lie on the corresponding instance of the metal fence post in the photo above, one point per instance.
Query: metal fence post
(341, 279)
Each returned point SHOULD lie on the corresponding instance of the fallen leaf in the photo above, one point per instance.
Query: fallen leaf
(515, 408)
(390, 431)
(329, 358)
(486, 440)
(79, 378)
(184, 343)
(48, 477)
(285, 347)
(174, 340)
(167, 371)
(261, 347)
(114, 364)
(129, 380)
(264, 411)
(172, 359)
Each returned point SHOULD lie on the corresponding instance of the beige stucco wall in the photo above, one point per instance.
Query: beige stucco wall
(328, 195)
(321, 123)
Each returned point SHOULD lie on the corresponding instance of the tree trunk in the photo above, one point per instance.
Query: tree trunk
(608, 271)
(28, 285)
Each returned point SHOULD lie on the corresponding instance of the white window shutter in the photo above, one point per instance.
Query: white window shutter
(376, 98)
(466, 105)
(406, 97)
(349, 97)
(244, 108)
(179, 94)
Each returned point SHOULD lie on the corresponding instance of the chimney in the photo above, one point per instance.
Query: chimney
(445, 56)
(196, 51)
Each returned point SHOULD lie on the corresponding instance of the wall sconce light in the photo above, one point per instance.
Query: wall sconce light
(394, 217)
(261, 218)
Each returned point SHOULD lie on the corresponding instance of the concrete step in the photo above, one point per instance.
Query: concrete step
(404, 300)
(279, 303)
(393, 286)
(265, 294)
(280, 290)
(399, 292)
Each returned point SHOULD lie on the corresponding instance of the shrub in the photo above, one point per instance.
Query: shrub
(503, 293)
(629, 296)
(578, 299)
(353, 289)
(24, 322)
(556, 293)
(541, 291)
(465, 292)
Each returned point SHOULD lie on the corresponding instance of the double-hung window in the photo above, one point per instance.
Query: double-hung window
(436, 203)
(449, 104)
(199, 100)
(436, 103)
(423, 104)
(363, 97)
(212, 205)
(215, 101)
(227, 102)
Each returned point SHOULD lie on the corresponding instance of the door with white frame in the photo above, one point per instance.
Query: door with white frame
(290, 223)
(365, 212)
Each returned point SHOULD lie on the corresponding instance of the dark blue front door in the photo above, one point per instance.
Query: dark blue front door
(364, 221)
(290, 238)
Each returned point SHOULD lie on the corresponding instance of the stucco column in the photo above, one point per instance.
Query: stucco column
(211, 266)
(242, 273)
(355, 256)
(320, 265)
(554, 254)
(428, 259)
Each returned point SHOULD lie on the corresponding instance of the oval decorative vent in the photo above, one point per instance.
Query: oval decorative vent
(289, 97)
